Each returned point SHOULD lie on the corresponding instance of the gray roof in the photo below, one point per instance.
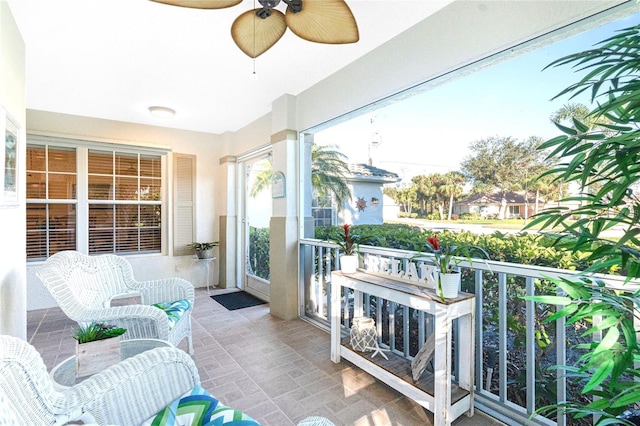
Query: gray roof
(363, 171)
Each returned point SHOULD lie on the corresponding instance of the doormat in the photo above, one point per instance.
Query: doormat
(237, 300)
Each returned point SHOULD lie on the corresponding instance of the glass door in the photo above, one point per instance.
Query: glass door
(256, 215)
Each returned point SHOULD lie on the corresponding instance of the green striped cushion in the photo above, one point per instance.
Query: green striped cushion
(174, 310)
(199, 408)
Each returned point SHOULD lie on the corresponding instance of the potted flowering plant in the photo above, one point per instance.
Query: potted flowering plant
(447, 258)
(350, 244)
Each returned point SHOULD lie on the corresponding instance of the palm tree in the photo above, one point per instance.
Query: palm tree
(262, 179)
(452, 186)
(582, 113)
(328, 174)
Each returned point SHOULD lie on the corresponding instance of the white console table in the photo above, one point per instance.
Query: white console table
(434, 391)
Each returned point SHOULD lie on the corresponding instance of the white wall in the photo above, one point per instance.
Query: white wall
(13, 319)
(372, 214)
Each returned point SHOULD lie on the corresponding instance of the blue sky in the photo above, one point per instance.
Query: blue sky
(430, 132)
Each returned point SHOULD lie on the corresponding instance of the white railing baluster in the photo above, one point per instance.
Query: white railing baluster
(502, 336)
(531, 347)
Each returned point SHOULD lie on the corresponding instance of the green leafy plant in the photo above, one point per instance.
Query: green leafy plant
(97, 331)
(448, 256)
(203, 250)
(203, 246)
(604, 159)
(350, 242)
(258, 262)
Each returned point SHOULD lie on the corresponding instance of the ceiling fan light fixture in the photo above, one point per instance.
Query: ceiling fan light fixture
(162, 112)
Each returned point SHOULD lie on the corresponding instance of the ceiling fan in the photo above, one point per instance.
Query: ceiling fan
(256, 31)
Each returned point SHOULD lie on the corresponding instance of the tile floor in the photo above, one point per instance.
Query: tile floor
(278, 372)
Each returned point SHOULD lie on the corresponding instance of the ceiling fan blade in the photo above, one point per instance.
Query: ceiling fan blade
(255, 35)
(324, 21)
(201, 4)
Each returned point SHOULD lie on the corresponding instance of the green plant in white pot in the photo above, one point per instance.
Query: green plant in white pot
(350, 245)
(204, 250)
(604, 159)
(447, 257)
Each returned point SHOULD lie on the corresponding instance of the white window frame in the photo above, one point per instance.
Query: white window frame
(82, 213)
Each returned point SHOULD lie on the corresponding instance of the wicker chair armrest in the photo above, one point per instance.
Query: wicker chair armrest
(137, 388)
(164, 290)
(140, 320)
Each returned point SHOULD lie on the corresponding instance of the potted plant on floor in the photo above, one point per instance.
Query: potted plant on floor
(605, 160)
(204, 250)
(97, 347)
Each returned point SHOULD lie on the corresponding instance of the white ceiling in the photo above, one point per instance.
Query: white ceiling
(113, 59)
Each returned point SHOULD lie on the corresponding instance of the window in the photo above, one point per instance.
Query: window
(514, 211)
(124, 202)
(113, 207)
(51, 200)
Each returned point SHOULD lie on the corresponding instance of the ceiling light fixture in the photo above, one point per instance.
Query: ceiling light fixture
(162, 112)
(257, 30)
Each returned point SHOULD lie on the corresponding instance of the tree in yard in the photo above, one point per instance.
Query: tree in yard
(452, 185)
(328, 174)
(405, 197)
(503, 163)
(439, 189)
(580, 112)
(425, 187)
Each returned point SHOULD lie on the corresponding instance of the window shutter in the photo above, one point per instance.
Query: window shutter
(184, 172)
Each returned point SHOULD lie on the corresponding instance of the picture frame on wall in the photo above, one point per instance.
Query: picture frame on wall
(278, 185)
(9, 158)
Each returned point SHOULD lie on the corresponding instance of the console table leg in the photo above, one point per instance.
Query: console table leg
(442, 370)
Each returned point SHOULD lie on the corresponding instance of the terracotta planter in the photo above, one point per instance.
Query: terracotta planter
(450, 284)
(93, 357)
(348, 263)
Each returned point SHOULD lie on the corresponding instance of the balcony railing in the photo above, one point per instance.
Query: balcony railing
(514, 348)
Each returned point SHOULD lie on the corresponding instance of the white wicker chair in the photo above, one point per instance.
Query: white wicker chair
(84, 287)
(127, 393)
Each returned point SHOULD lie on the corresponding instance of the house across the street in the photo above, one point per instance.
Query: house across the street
(488, 204)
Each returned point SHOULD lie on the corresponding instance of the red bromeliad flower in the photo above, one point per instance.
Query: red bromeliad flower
(434, 242)
(346, 227)
(443, 255)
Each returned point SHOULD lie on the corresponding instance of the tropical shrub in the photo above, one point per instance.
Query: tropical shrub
(258, 262)
(604, 159)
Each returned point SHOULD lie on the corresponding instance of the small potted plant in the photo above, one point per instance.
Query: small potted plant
(350, 245)
(204, 250)
(98, 347)
(447, 258)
